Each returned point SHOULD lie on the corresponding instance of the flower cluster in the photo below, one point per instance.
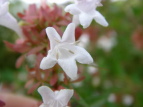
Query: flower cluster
(62, 50)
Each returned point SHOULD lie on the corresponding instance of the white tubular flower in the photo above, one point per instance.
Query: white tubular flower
(64, 51)
(6, 19)
(55, 99)
(84, 12)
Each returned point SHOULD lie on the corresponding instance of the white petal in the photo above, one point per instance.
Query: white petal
(53, 36)
(72, 9)
(83, 56)
(10, 22)
(69, 66)
(80, 1)
(4, 8)
(64, 96)
(47, 94)
(69, 34)
(55, 104)
(100, 19)
(65, 53)
(86, 6)
(48, 62)
(42, 105)
(85, 19)
(3, 1)
(75, 20)
(96, 2)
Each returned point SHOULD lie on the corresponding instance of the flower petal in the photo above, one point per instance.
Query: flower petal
(54, 104)
(69, 34)
(83, 56)
(47, 94)
(69, 66)
(42, 105)
(10, 22)
(48, 62)
(100, 19)
(64, 96)
(72, 9)
(65, 52)
(85, 19)
(53, 36)
(4, 8)
(3, 1)
(75, 20)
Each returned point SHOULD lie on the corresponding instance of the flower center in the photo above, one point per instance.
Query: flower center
(64, 51)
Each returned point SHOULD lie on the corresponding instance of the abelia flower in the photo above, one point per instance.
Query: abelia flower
(107, 42)
(7, 20)
(84, 12)
(56, 98)
(64, 51)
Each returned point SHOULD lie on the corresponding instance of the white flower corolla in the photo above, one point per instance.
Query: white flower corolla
(84, 12)
(107, 42)
(65, 52)
(112, 98)
(128, 100)
(92, 70)
(56, 98)
(6, 19)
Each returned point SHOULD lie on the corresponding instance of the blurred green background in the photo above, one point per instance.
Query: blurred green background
(118, 79)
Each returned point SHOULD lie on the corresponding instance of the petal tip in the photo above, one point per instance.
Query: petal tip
(49, 28)
(41, 88)
(105, 24)
(74, 77)
(42, 64)
(72, 24)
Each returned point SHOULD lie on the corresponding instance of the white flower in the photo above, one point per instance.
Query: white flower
(92, 70)
(107, 42)
(6, 19)
(55, 99)
(64, 51)
(112, 98)
(128, 100)
(84, 12)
